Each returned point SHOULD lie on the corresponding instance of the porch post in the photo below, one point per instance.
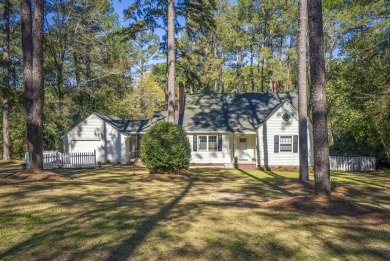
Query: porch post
(258, 161)
(126, 149)
(234, 146)
(136, 145)
(130, 144)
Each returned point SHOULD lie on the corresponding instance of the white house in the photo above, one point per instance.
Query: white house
(258, 129)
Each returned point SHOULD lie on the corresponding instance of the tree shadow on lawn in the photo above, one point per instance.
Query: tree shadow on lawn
(95, 212)
(64, 235)
(127, 248)
(372, 197)
(363, 236)
(237, 248)
(269, 183)
(300, 197)
(126, 218)
(362, 180)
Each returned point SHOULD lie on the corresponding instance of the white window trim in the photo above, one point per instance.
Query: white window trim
(292, 143)
(207, 143)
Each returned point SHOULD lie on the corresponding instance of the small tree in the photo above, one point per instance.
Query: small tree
(165, 148)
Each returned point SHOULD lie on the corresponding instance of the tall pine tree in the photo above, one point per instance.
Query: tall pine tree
(6, 81)
(318, 99)
(32, 46)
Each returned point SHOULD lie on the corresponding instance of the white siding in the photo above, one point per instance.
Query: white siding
(109, 142)
(209, 157)
(275, 125)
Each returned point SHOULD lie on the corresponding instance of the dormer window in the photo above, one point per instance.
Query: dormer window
(286, 117)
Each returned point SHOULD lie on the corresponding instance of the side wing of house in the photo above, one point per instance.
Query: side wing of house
(95, 134)
(278, 139)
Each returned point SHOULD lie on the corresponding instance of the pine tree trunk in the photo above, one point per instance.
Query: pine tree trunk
(238, 69)
(216, 68)
(76, 70)
(27, 47)
(318, 99)
(270, 84)
(171, 61)
(251, 68)
(6, 80)
(262, 76)
(38, 84)
(302, 105)
(33, 79)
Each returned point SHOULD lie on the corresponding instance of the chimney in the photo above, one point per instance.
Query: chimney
(276, 87)
(181, 98)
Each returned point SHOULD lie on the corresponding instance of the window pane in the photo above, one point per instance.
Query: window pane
(285, 143)
(202, 143)
(213, 143)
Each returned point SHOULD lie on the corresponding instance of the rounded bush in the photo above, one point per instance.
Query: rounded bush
(165, 148)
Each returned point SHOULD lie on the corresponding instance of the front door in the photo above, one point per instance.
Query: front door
(242, 149)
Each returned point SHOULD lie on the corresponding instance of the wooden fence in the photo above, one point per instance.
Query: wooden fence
(352, 163)
(52, 160)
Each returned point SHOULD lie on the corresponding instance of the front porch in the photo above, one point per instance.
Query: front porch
(244, 150)
(239, 150)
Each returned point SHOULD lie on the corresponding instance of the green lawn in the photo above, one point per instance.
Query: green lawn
(116, 213)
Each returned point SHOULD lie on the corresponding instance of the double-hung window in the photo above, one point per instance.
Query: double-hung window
(207, 143)
(285, 143)
(202, 144)
(213, 143)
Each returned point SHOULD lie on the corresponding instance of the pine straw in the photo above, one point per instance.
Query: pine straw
(31, 176)
(307, 187)
(337, 205)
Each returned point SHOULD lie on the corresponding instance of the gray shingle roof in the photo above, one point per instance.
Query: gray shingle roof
(241, 112)
(114, 121)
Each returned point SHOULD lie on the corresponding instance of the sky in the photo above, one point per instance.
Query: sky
(119, 6)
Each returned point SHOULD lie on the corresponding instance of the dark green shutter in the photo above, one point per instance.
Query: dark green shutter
(295, 144)
(219, 142)
(276, 143)
(195, 143)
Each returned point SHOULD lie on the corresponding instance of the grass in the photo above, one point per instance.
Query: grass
(114, 213)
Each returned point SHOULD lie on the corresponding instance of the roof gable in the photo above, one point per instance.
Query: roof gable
(279, 107)
(81, 122)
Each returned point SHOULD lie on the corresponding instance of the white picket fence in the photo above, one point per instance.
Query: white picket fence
(352, 163)
(52, 160)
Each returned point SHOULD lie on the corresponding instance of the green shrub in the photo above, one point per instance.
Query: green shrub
(165, 148)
